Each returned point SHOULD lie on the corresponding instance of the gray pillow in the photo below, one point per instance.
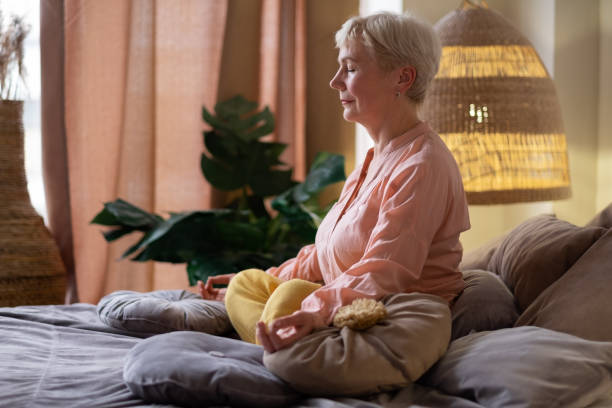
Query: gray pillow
(197, 369)
(485, 304)
(162, 311)
(579, 302)
(602, 218)
(524, 367)
(537, 253)
(479, 258)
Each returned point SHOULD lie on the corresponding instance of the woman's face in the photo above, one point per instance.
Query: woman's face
(366, 91)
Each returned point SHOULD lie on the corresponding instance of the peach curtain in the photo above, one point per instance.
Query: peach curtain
(282, 75)
(136, 74)
(54, 162)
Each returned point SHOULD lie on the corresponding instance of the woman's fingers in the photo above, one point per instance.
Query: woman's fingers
(220, 279)
(208, 285)
(210, 293)
(284, 331)
(276, 340)
(202, 290)
(287, 330)
(296, 319)
(264, 339)
(220, 294)
(269, 339)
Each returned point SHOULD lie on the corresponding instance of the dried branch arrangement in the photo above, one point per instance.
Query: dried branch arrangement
(12, 70)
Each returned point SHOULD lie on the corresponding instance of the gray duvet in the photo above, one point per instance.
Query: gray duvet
(63, 356)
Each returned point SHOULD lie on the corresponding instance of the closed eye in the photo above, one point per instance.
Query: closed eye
(347, 68)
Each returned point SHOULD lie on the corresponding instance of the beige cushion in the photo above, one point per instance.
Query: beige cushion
(391, 354)
(485, 304)
(603, 218)
(537, 253)
(579, 302)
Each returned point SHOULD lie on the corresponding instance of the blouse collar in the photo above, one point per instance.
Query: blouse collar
(407, 137)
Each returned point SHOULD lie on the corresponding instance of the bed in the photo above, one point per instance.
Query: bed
(531, 329)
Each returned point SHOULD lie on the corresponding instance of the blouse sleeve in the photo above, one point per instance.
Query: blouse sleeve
(304, 266)
(414, 206)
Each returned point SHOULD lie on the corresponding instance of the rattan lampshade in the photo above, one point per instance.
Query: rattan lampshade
(495, 106)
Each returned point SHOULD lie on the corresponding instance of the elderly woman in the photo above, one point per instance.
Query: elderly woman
(396, 225)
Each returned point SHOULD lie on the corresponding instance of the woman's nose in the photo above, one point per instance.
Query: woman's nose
(335, 82)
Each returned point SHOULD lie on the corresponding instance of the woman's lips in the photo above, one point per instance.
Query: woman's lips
(345, 101)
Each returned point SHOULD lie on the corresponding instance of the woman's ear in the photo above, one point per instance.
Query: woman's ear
(407, 77)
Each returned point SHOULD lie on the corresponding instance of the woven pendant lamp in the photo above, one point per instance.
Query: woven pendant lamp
(496, 108)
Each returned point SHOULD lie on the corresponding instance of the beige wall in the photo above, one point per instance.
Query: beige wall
(577, 81)
(604, 161)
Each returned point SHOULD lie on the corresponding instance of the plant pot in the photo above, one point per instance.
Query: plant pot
(31, 269)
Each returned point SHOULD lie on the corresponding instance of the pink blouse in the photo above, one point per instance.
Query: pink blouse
(395, 228)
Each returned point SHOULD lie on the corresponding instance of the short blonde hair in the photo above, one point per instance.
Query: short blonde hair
(396, 40)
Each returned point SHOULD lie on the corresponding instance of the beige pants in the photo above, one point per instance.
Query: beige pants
(254, 295)
(389, 355)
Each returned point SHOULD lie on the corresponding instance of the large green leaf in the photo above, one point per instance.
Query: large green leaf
(200, 268)
(179, 238)
(242, 260)
(232, 117)
(300, 213)
(220, 175)
(117, 233)
(327, 169)
(255, 205)
(250, 122)
(266, 123)
(120, 212)
(272, 152)
(220, 146)
(234, 107)
(105, 217)
(239, 235)
(216, 123)
(270, 183)
(137, 246)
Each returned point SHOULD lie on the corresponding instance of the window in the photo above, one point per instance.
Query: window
(30, 11)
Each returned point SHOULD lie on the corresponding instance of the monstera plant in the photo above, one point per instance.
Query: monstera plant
(246, 233)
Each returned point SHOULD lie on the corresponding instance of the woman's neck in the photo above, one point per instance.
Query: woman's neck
(394, 125)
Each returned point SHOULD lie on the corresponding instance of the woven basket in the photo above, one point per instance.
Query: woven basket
(31, 270)
(495, 106)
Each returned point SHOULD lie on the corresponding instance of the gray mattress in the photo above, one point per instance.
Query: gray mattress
(63, 356)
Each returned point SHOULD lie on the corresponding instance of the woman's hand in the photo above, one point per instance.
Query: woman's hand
(285, 331)
(208, 291)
